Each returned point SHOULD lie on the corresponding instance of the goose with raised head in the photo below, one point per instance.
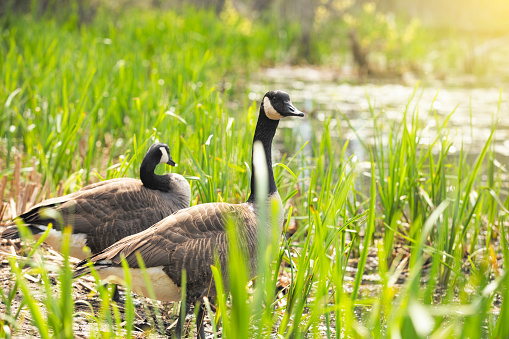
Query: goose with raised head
(190, 238)
(105, 212)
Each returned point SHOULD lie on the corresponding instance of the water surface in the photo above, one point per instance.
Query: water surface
(474, 110)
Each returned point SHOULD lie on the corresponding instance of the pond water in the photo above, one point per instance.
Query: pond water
(320, 94)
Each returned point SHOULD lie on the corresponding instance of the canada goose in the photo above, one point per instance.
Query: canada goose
(189, 238)
(107, 211)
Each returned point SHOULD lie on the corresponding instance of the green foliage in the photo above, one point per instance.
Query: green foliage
(73, 94)
(395, 43)
(76, 100)
(55, 317)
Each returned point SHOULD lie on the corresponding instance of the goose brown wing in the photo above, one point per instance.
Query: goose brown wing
(114, 211)
(32, 215)
(106, 211)
(127, 213)
(187, 240)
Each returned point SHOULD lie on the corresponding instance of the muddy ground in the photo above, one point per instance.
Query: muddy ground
(85, 296)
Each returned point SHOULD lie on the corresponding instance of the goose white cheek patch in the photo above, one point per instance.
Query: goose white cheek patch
(165, 157)
(270, 111)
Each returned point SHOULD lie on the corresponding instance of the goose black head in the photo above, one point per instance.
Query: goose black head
(277, 105)
(161, 151)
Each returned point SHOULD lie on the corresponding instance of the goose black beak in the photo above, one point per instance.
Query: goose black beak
(171, 162)
(290, 110)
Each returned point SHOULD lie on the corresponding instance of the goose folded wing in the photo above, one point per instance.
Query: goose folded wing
(32, 215)
(194, 231)
(188, 239)
(121, 200)
(110, 215)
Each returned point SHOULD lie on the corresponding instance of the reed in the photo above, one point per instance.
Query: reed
(414, 246)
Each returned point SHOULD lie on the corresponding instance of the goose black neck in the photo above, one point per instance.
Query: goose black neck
(264, 132)
(149, 178)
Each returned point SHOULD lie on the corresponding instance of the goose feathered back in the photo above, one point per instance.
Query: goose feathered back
(107, 211)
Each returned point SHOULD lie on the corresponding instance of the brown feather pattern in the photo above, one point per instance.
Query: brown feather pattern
(191, 238)
(108, 211)
(186, 240)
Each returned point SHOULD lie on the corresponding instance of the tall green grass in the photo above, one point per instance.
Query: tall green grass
(70, 95)
(428, 225)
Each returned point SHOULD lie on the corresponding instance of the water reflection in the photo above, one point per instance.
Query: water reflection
(474, 109)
